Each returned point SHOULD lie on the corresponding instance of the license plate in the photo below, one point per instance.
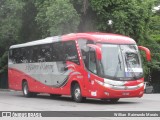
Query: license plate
(125, 93)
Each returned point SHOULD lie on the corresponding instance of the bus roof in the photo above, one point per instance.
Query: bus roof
(101, 37)
(38, 42)
(96, 36)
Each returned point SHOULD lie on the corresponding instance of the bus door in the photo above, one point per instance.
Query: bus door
(92, 71)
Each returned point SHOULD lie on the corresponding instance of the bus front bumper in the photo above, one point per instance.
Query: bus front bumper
(102, 91)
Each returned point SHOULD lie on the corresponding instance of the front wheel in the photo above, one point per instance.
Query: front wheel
(76, 95)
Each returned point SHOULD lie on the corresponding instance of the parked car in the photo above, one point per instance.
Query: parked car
(148, 88)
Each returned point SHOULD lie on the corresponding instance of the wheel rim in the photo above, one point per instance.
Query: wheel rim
(77, 93)
(25, 89)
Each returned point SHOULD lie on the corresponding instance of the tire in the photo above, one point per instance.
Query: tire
(76, 94)
(26, 91)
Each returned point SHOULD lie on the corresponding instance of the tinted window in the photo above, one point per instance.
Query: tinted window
(34, 54)
(71, 51)
(58, 52)
(24, 55)
(92, 61)
(11, 57)
(45, 53)
(85, 50)
(19, 55)
(16, 55)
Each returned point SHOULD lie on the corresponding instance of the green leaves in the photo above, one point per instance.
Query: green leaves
(155, 27)
(129, 16)
(57, 17)
(10, 24)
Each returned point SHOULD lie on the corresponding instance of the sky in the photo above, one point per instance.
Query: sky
(157, 8)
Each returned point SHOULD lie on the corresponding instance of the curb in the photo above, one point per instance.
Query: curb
(8, 90)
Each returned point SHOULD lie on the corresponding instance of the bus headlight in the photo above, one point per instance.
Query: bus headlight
(120, 87)
(141, 84)
(104, 84)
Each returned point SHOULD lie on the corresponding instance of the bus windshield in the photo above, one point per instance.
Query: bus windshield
(121, 62)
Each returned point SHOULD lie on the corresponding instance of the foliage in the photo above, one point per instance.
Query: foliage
(154, 37)
(10, 21)
(29, 30)
(130, 17)
(10, 24)
(57, 17)
(155, 26)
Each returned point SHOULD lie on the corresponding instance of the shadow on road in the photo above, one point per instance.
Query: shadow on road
(87, 101)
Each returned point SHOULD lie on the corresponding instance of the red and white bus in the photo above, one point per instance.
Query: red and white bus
(81, 65)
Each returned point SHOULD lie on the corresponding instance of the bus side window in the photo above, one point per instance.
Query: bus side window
(92, 61)
(58, 52)
(11, 58)
(85, 50)
(45, 53)
(71, 52)
(16, 55)
(24, 55)
(58, 56)
(34, 54)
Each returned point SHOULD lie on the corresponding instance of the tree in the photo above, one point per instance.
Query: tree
(130, 17)
(88, 17)
(29, 30)
(56, 17)
(155, 26)
(10, 24)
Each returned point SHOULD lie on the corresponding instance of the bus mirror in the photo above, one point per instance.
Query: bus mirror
(97, 49)
(147, 51)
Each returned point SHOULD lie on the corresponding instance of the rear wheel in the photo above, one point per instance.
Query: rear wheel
(76, 93)
(26, 91)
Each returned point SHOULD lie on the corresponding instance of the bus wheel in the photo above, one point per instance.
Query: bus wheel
(26, 91)
(76, 95)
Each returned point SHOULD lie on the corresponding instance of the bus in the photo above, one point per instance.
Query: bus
(81, 65)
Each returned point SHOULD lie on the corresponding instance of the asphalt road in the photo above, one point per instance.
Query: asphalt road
(14, 101)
